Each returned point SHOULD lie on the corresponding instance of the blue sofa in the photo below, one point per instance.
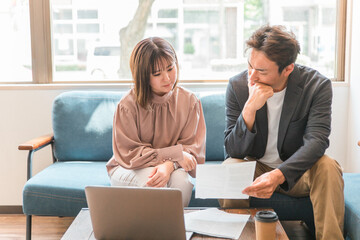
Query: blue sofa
(81, 144)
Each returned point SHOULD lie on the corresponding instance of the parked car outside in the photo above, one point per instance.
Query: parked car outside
(103, 60)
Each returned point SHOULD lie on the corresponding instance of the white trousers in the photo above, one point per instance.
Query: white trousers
(138, 178)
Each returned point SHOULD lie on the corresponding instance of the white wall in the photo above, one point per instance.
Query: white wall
(354, 93)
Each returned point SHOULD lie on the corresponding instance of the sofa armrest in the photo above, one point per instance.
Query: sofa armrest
(36, 143)
(32, 146)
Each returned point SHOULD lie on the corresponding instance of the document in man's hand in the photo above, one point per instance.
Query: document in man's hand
(224, 181)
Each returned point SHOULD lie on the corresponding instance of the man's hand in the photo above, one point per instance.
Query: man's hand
(160, 175)
(265, 185)
(189, 162)
(259, 93)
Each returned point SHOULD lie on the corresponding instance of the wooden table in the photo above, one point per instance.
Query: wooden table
(81, 226)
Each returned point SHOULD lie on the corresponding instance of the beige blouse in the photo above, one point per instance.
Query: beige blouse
(173, 124)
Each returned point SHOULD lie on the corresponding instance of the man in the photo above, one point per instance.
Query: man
(278, 113)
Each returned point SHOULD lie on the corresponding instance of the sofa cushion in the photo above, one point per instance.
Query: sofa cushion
(58, 190)
(352, 205)
(214, 113)
(82, 125)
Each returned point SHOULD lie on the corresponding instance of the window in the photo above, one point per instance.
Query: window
(87, 42)
(15, 57)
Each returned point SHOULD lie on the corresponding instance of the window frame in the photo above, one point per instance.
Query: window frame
(42, 67)
(341, 30)
(40, 30)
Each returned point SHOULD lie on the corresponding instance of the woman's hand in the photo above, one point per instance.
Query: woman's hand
(160, 175)
(189, 162)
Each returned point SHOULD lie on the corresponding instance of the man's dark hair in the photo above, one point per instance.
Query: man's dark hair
(278, 44)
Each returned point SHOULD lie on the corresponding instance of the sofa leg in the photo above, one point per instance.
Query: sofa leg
(28, 227)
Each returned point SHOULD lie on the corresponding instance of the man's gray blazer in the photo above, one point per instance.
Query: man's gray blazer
(304, 125)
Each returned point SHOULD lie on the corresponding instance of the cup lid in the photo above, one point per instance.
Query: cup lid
(266, 216)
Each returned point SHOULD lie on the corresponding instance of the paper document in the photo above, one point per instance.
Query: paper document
(216, 223)
(189, 235)
(224, 180)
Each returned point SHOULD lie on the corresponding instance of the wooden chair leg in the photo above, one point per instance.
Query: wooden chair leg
(28, 227)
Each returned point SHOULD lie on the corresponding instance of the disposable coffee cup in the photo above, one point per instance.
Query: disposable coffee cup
(265, 225)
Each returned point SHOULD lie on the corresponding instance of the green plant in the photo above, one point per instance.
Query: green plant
(189, 48)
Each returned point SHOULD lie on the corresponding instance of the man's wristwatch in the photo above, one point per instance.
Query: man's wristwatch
(175, 166)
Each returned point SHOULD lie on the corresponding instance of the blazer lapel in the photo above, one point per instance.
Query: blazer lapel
(293, 92)
(262, 124)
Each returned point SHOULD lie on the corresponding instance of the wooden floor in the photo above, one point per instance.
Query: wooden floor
(12, 226)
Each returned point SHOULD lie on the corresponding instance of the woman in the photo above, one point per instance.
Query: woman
(159, 128)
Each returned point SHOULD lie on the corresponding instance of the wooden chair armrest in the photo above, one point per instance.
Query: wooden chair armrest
(37, 142)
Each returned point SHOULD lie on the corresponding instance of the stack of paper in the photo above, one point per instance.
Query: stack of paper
(216, 223)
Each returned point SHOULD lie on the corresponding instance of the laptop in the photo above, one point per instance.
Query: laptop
(135, 213)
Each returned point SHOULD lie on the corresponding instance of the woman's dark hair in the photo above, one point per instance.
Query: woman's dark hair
(146, 58)
(279, 45)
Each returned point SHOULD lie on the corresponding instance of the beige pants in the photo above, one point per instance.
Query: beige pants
(178, 179)
(325, 186)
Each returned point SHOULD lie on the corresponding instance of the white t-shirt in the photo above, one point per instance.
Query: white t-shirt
(274, 107)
